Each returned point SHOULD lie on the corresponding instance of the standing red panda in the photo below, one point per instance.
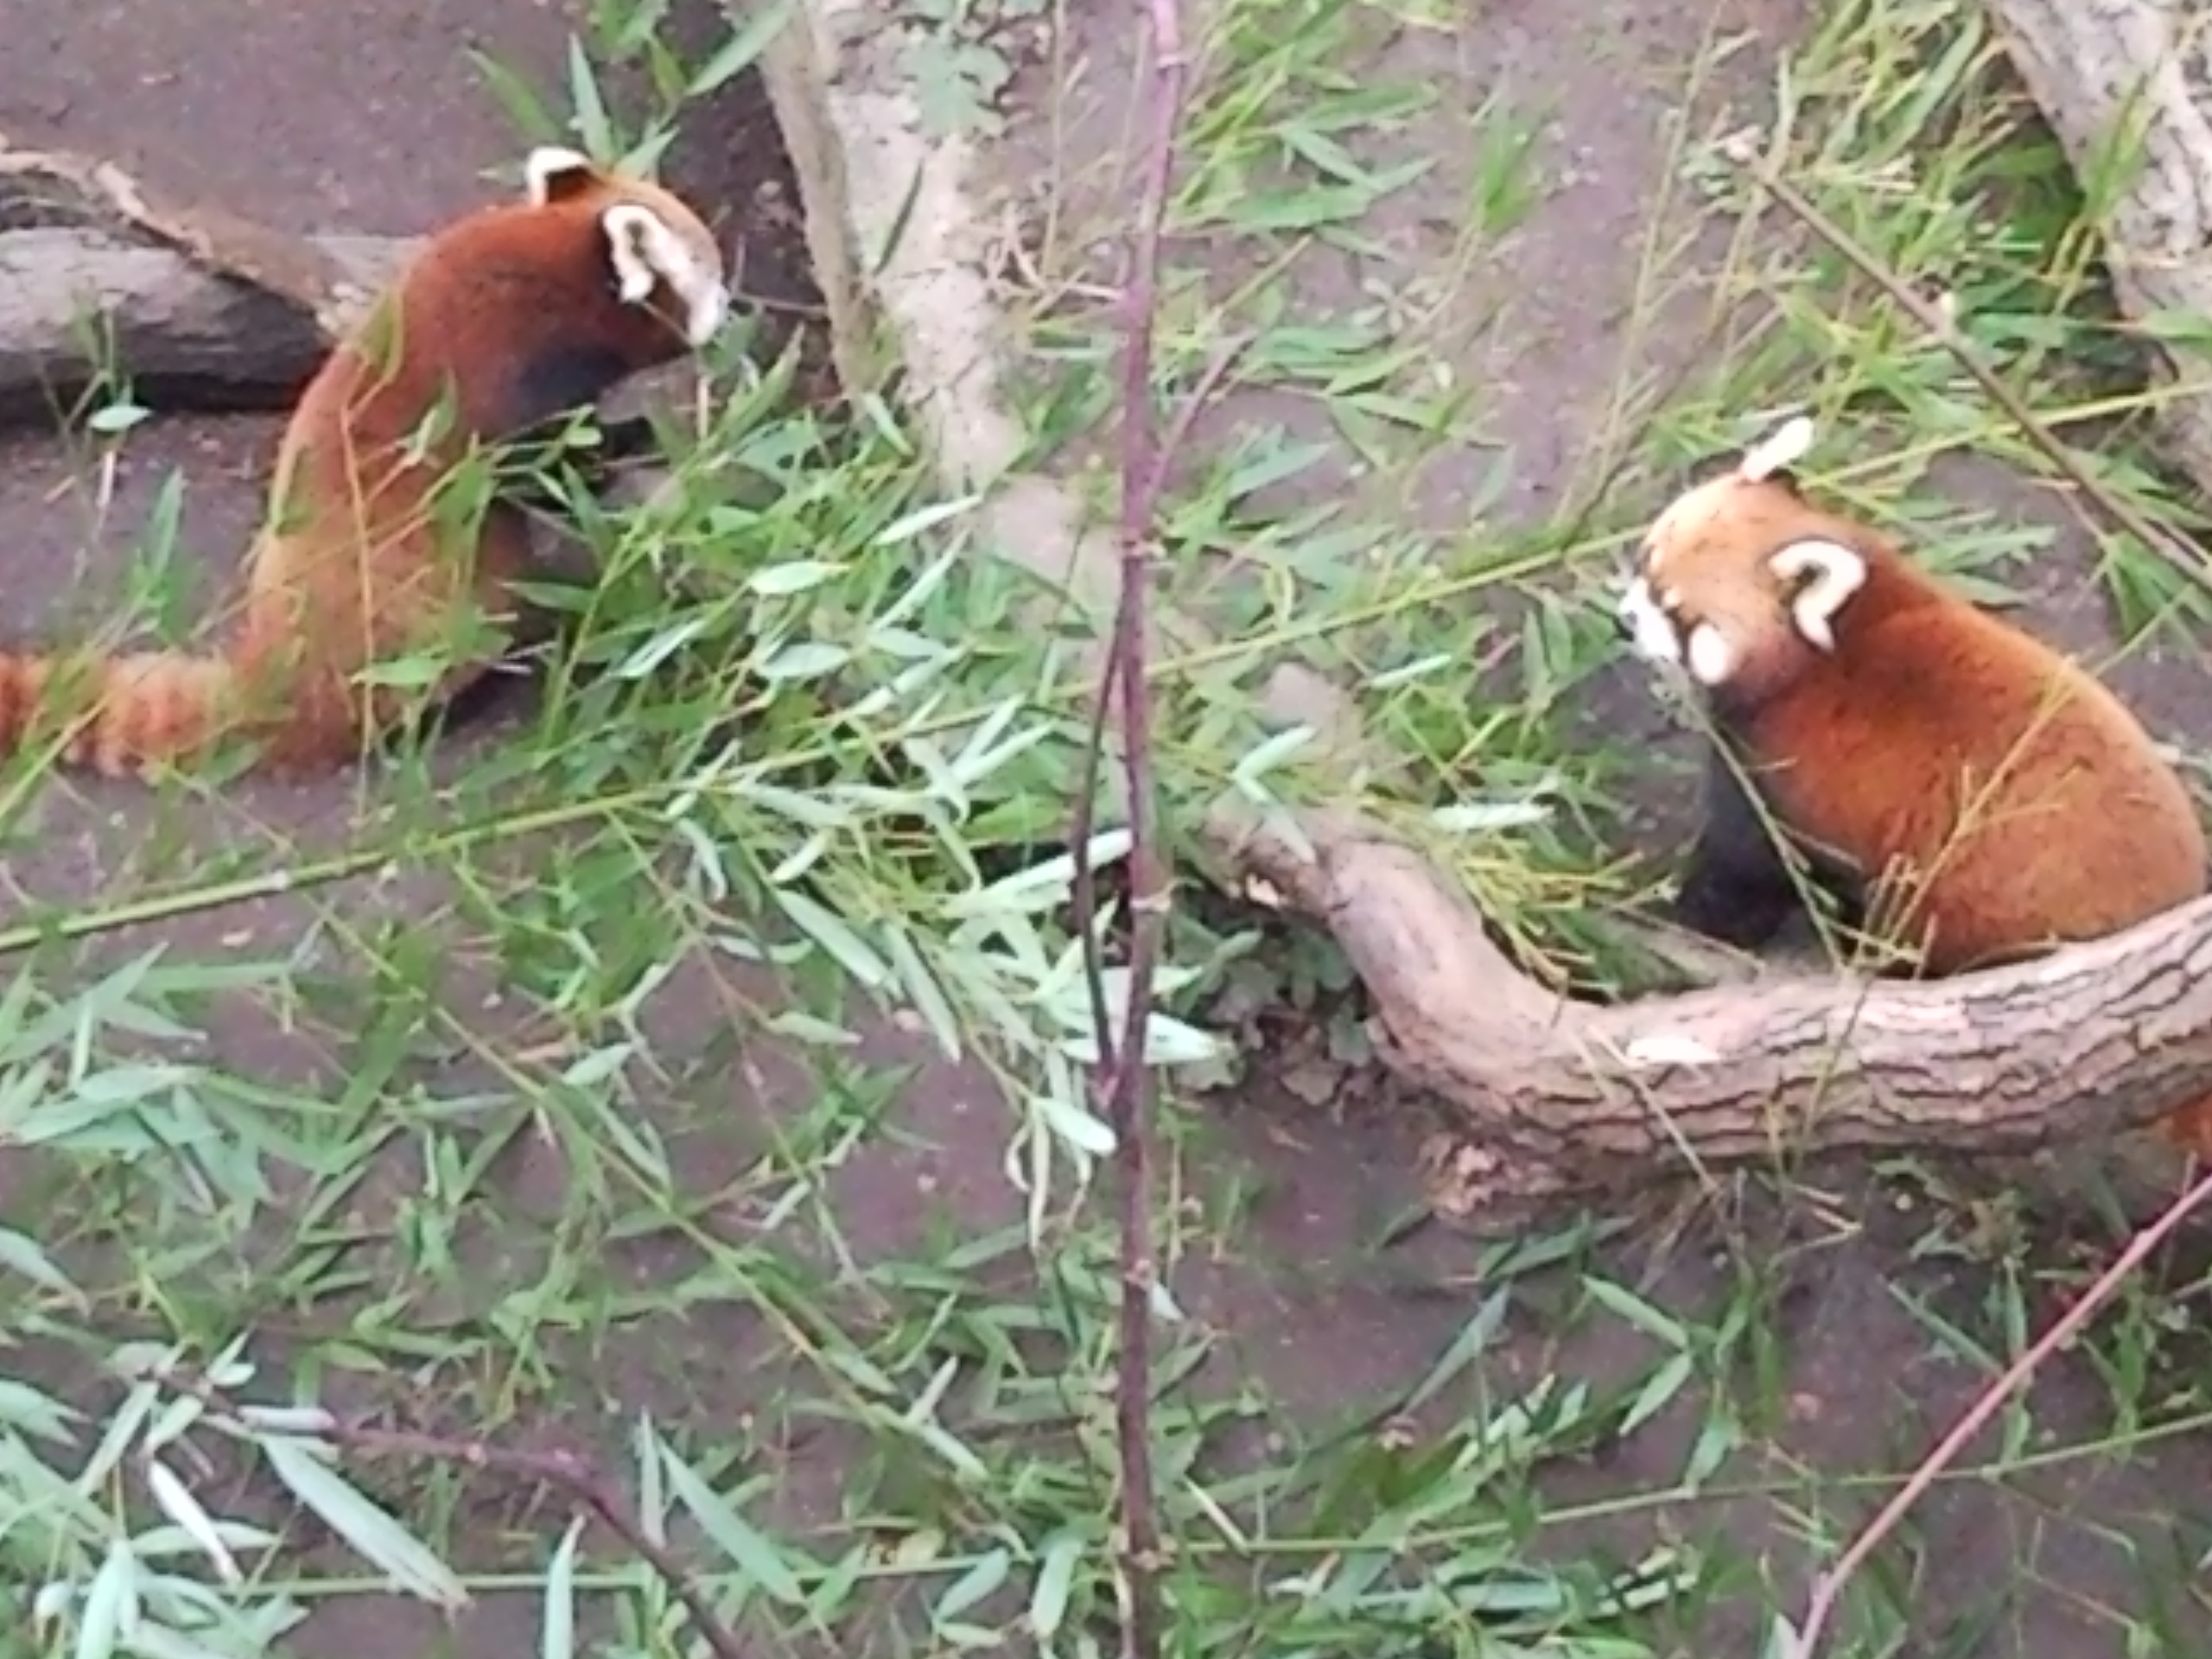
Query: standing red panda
(1974, 795)
(505, 321)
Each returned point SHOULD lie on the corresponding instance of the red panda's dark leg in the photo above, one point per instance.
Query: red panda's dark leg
(530, 456)
(1734, 885)
(546, 393)
(555, 384)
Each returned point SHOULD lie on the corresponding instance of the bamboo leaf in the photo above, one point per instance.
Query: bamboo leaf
(742, 1543)
(372, 1532)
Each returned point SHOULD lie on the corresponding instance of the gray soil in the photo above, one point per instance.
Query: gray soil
(233, 101)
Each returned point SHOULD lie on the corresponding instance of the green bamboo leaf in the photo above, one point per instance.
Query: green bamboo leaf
(923, 990)
(1472, 1342)
(1081, 1130)
(1488, 817)
(177, 1501)
(803, 1027)
(35, 1412)
(559, 1640)
(795, 576)
(52, 1603)
(924, 518)
(1167, 1041)
(1048, 1602)
(22, 1255)
(662, 647)
(121, 1429)
(743, 47)
(919, 591)
(1657, 1393)
(179, 1415)
(801, 859)
(652, 1499)
(1391, 678)
(230, 1370)
(110, 1603)
(349, 1512)
(287, 1420)
(1625, 1304)
(743, 1544)
(978, 1582)
(810, 659)
(829, 932)
(973, 762)
(517, 98)
(1270, 753)
(814, 812)
(592, 125)
(1042, 886)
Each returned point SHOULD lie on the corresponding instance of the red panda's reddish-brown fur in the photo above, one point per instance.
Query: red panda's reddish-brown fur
(506, 319)
(1987, 798)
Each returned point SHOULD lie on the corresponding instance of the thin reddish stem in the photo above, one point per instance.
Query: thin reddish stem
(569, 1472)
(1830, 1585)
(1124, 1079)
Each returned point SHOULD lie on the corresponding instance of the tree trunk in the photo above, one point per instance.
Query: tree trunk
(2122, 79)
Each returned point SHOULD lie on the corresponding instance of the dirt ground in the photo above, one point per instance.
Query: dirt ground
(233, 99)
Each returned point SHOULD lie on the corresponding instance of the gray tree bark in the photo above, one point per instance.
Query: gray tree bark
(77, 306)
(200, 308)
(2129, 82)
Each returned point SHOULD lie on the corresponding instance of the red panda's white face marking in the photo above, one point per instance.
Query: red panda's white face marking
(1648, 615)
(651, 238)
(1726, 590)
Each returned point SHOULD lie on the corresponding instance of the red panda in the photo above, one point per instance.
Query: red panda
(503, 322)
(1973, 795)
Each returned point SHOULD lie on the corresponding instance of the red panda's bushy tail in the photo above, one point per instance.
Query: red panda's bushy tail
(115, 715)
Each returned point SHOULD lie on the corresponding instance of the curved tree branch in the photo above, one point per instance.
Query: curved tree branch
(1546, 1096)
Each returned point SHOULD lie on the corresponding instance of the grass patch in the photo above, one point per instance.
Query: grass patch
(648, 1075)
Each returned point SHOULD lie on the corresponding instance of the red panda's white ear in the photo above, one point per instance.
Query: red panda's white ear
(1778, 451)
(647, 251)
(552, 173)
(1831, 574)
(632, 237)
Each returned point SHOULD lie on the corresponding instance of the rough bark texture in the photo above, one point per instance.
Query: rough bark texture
(1539, 1096)
(203, 309)
(73, 303)
(1546, 1096)
(2118, 78)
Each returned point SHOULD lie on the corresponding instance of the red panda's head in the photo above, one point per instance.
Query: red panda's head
(1741, 580)
(660, 256)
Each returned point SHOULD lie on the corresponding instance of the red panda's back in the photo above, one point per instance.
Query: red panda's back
(2029, 801)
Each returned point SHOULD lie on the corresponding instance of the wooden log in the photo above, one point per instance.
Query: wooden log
(78, 305)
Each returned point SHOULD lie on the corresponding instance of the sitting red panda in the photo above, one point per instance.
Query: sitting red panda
(501, 323)
(1973, 795)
